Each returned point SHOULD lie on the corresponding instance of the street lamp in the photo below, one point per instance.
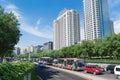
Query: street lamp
(29, 56)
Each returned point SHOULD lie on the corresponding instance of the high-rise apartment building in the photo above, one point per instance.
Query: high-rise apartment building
(48, 46)
(17, 50)
(66, 29)
(96, 19)
(112, 27)
(37, 48)
(30, 49)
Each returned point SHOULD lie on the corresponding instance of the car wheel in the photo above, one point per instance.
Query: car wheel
(119, 77)
(94, 73)
(109, 71)
(116, 76)
(72, 69)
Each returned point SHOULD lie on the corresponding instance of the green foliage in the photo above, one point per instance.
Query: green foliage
(113, 45)
(22, 55)
(9, 32)
(108, 47)
(15, 70)
(87, 48)
(109, 61)
(34, 76)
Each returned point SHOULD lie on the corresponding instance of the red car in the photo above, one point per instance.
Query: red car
(92, 69)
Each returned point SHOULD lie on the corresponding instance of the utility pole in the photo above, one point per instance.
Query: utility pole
(29, 56)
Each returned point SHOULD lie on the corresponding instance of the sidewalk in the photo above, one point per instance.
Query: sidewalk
(83, 75)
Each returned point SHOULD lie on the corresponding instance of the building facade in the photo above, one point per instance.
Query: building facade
(17, 50)
(37, 48)
(66, 29)
(48, 46)
(30, 49)
(112, 27)
(96, 19)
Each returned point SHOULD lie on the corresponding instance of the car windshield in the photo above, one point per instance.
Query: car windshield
(40, 63)
(111, 65)
(96, 66)
(80, 64)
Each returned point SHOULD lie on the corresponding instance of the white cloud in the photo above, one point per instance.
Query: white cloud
(11, 7)
(113, 9)
(47, 29)
(32, 29)
(34, 42)
(14, 9)
(117, 26)
(114, 13)
(38, 21)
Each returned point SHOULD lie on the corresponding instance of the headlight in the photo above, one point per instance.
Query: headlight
(97, 70)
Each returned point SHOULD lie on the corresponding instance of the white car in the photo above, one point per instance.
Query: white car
(117, 71)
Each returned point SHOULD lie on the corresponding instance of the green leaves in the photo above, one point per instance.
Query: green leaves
(15, 70)
(9, 32)
(108, 47)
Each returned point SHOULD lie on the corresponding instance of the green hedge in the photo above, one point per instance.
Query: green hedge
(109, 61)
(15, 70)
(34, 76)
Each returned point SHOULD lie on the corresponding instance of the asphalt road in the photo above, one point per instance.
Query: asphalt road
(53, 74)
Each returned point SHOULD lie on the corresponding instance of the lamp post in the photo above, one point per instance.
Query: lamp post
(29, 56)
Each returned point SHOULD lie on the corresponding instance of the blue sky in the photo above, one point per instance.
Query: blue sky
(36, 17)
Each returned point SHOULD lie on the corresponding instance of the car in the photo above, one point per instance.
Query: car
(41, 65)
(101, 68)
(110, 68)
(92, 69)
(117, 71)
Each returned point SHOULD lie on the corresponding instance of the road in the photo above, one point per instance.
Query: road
(108, 76)
(104, 76)
(53, 74)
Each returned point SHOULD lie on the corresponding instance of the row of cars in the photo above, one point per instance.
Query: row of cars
(79, 64)
(108, 69)
(114, 69)
(95, 69)
(87, 68)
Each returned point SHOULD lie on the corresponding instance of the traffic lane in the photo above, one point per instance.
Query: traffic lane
(108, 76)
(53, 74)
(105, 75)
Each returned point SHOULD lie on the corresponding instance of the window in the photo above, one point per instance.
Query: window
(117, 69)
(88, 66)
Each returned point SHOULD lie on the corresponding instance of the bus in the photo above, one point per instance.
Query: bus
(47, 60)
(55, 62)
(71, 63)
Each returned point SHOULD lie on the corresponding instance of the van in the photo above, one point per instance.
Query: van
(117, 71)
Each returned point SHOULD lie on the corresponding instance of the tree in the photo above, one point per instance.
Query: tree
(66, 51)
(87, 48)
(77, 51)
(9, 32)
(113, 45)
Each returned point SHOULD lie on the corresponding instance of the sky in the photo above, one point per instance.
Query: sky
(36, 17)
